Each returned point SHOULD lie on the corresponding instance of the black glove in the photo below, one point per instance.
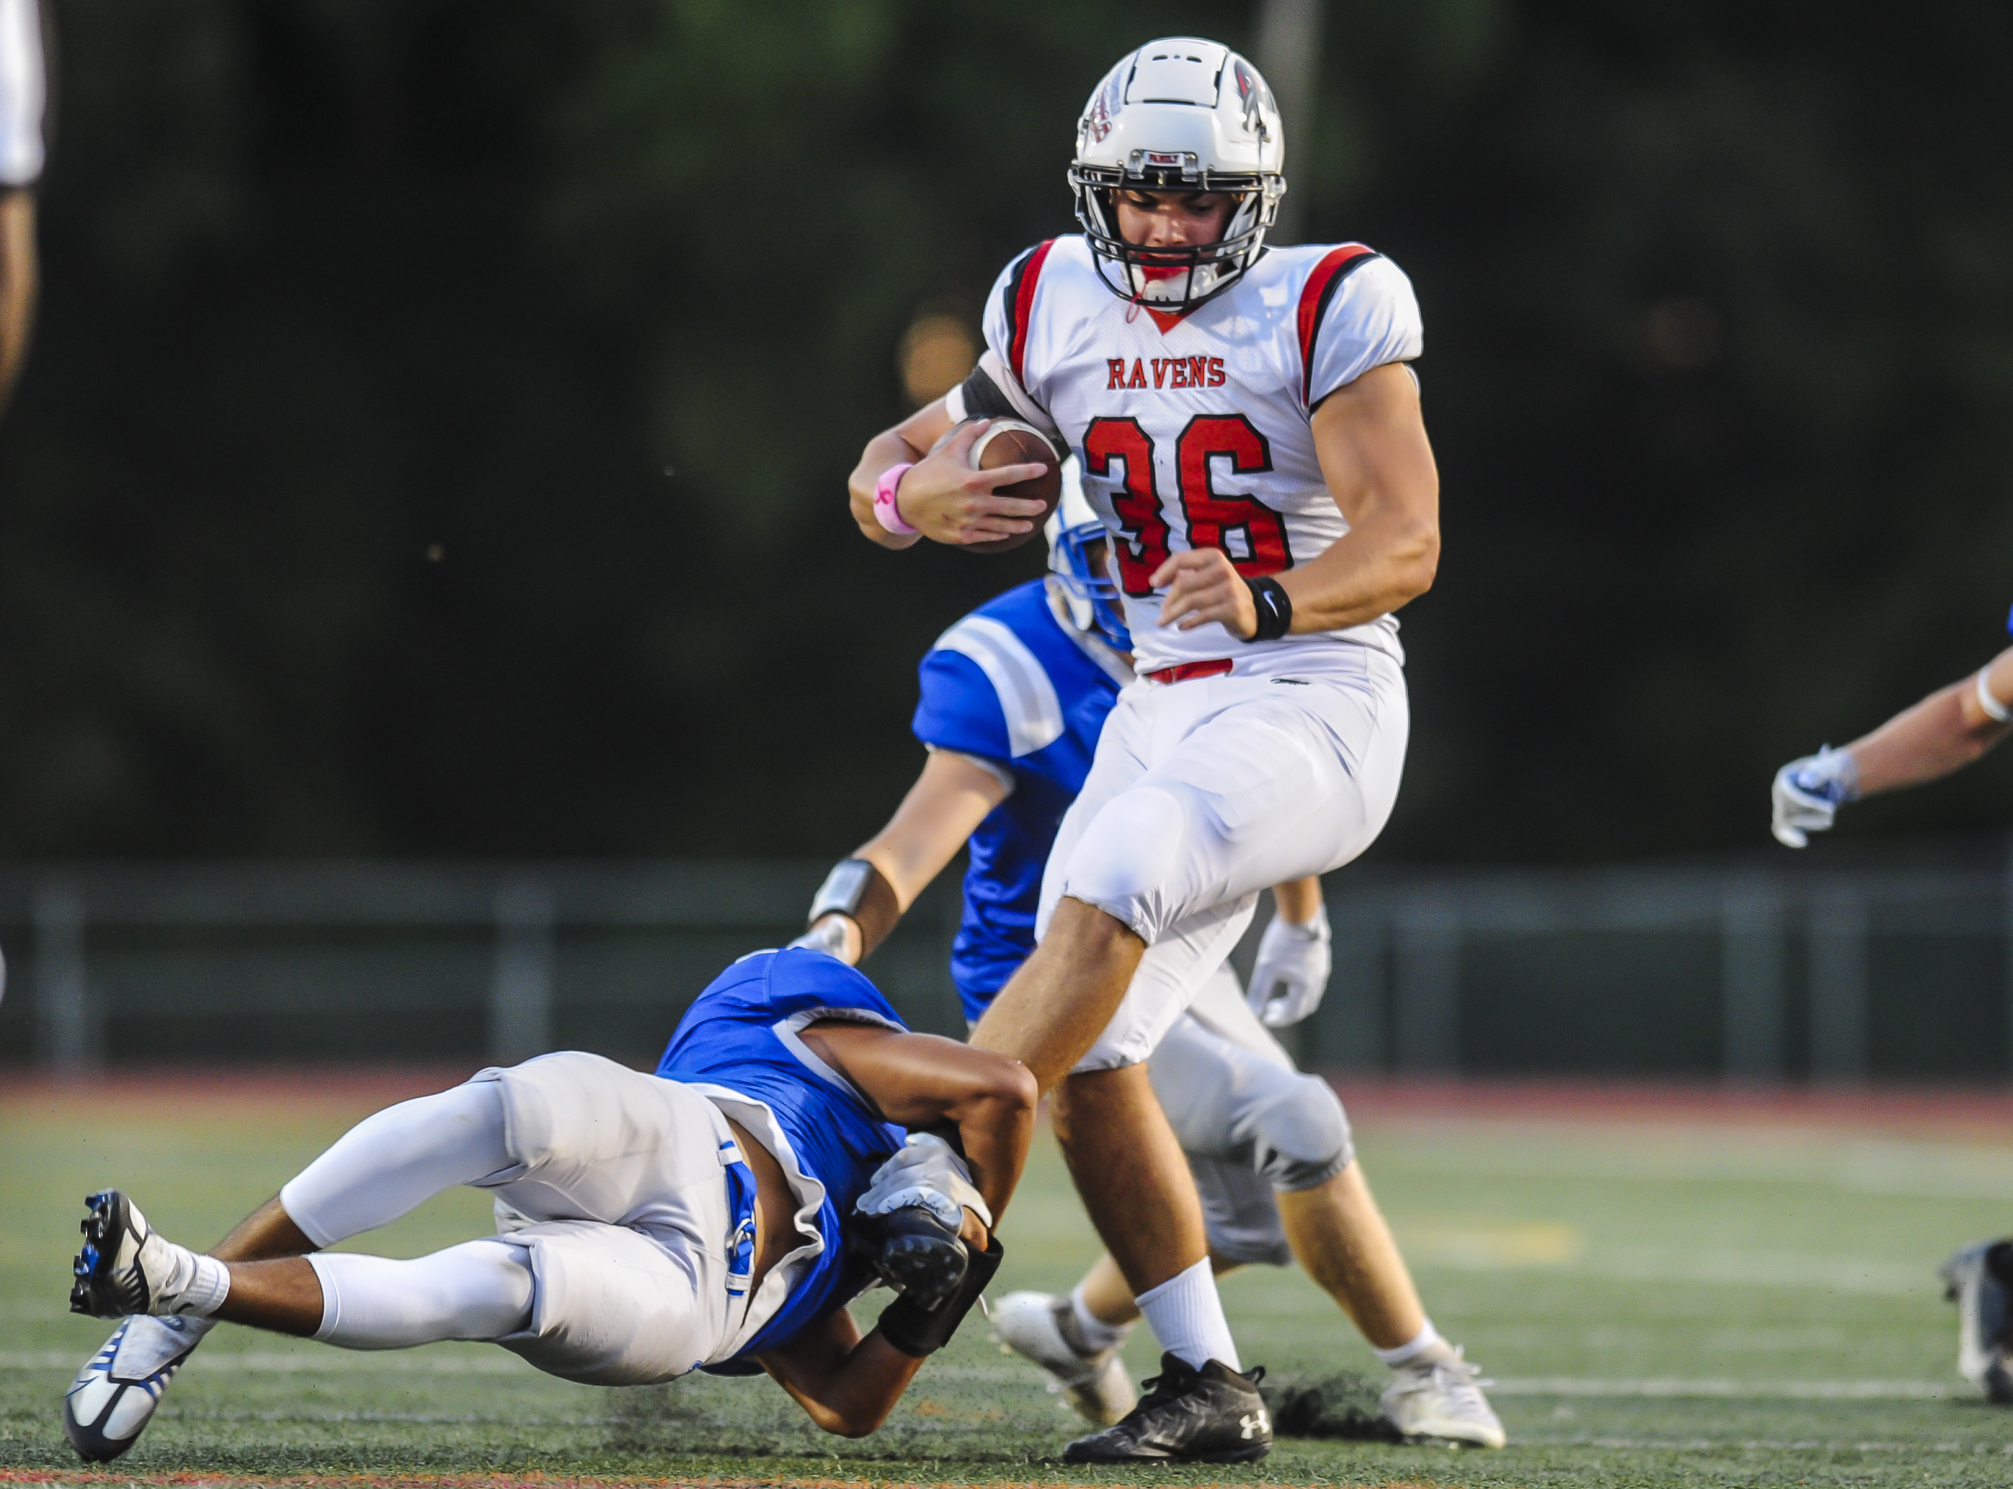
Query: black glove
(919, 1331)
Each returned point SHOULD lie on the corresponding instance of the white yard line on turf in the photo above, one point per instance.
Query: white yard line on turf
(1483, 1252)
(1789, 1390)
(1762, 1445)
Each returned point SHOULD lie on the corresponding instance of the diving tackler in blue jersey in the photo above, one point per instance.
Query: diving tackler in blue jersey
(705, 1217)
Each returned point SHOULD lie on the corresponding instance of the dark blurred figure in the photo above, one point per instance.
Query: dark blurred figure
(23, 94)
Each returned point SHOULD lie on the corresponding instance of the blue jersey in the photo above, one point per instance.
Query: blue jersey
(1014, 686)
(742, 1033)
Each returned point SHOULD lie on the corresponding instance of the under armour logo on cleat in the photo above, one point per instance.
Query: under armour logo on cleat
(1254, 1423)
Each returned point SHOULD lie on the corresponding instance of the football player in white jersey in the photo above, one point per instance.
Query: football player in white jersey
(1252, 438)
(23, 94)
(1013, 698)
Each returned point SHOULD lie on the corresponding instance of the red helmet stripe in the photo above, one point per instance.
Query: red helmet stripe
(1021, 295)
(1337, 265)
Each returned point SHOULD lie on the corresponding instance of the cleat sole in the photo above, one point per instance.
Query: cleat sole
(104, 1226)
(921, 1256)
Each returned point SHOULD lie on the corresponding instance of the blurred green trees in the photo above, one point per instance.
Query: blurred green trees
(436, 435)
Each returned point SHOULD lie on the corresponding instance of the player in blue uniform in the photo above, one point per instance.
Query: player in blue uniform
(1013, 699)
(1943, 733)
(648, 1225)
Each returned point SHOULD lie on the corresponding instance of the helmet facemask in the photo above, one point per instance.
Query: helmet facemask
(1081, 561)
(1178, 277)
(1082, 572)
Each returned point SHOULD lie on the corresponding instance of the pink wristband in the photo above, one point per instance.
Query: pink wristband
(885, 511)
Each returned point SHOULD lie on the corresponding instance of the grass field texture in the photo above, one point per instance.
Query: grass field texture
(1664, 1292)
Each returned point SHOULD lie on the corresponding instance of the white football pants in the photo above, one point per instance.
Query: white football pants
(1205, 792)
(619, 1273)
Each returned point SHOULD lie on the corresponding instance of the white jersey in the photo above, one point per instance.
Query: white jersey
(1195, 432)
(23, 91)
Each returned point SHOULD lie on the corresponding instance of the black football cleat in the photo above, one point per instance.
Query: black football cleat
(113, 1397)
(1211, 1415)
(111, 1280)
(920, 1255)
(1979, 1280)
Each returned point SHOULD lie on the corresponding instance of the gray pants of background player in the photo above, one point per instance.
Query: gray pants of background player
(1249, 1121)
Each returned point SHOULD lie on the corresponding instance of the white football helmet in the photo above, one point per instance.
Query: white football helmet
(1179, 115)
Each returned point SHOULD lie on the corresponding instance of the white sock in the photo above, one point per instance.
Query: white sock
(477, 1290)
(189, 1284)
(1186, 1316)
(1096, 1334)
(1420, 1344)
(396, 1160)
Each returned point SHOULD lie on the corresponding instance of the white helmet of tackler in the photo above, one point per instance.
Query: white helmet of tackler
(1179, 114)
(1092, 596)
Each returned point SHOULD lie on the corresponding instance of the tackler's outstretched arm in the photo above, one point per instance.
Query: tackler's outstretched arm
(864, 897)
(1940, 735)
(1934, 738)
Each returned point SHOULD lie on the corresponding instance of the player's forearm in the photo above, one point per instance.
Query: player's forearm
(1388, 559)
(883, 450)
(906, 878)
(1298, 900)
(940, 811)
(847, 1388)
(908, 863)
(18, 279)
(1943, 733)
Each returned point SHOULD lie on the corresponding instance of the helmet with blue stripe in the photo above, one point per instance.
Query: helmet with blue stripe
(1078, 555)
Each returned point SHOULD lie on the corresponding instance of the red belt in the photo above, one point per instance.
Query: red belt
(1189, 671)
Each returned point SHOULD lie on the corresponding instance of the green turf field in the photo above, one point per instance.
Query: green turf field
(1658, 1304)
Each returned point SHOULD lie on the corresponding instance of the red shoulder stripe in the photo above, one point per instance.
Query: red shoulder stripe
(1335, 266)
(1020, 304)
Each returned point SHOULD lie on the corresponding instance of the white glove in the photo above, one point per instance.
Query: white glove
(928, 1172)
(1292, 970)
(1807, 794)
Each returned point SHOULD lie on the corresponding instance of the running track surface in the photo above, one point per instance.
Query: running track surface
(1983, 1114)
(33, 1476)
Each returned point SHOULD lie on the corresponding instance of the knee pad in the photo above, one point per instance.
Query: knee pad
(1301, 1138)
(1128, 854)
(1240, 1214)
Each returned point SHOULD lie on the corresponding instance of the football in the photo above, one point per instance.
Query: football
(1010, 442)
